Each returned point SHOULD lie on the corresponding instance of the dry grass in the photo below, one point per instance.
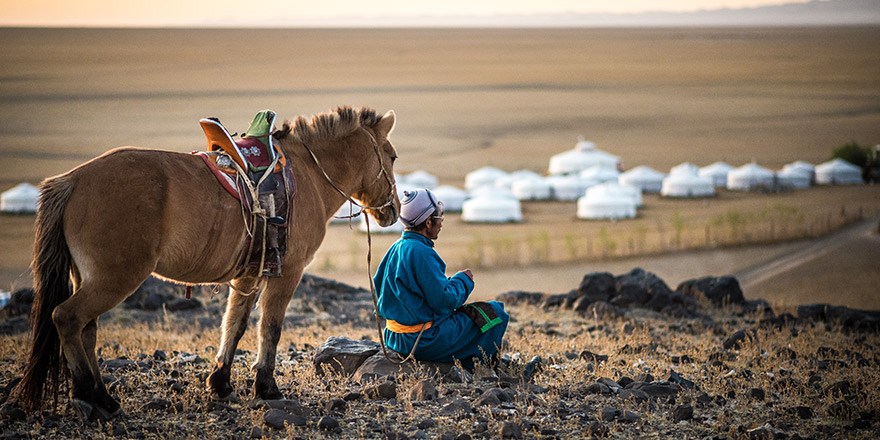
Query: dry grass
(794, 366)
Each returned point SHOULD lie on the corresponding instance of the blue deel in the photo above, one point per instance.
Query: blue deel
(413, 288)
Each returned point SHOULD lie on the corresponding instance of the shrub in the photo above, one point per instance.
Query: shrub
(853, 153)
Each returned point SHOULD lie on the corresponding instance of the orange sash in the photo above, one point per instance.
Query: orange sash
(400, 328)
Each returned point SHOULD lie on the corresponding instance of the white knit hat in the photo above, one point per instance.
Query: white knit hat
(417, 205)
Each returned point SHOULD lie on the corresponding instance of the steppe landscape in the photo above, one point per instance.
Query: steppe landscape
(509, 98)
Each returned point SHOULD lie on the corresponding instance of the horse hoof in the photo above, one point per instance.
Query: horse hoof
(82, 409)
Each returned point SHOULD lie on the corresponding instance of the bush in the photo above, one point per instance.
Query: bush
(853, 153)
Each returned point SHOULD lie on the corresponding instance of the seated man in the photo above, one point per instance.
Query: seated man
(415, 295)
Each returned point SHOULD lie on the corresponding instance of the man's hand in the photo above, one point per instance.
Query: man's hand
(468, 273)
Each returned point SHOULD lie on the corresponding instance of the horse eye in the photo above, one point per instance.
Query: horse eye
(393, 158)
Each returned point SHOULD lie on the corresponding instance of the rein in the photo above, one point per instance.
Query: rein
(390, 202)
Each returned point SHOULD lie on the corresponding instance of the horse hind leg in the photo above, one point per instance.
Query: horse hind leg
(76, 322)
(235, 321)
(106, 406)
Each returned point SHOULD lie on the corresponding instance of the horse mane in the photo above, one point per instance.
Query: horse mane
(328, 126)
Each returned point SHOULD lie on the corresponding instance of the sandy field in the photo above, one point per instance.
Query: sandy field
(506, 98)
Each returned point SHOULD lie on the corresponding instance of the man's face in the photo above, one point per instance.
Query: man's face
(434, 224)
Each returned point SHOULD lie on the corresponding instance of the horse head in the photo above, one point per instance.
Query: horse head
(356, 157)
(379, 189)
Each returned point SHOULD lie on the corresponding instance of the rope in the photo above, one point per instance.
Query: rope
(370, 242)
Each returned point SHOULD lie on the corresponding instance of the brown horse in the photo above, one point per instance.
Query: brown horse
(111, 222)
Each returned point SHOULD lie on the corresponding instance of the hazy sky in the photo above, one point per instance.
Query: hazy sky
(225, 12)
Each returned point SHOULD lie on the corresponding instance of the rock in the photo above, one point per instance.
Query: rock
(564, 300)
(456, 407)
(676, 378)
(614, 386)
(598, 388)
(427, 424)
(384, 390)
(157, 404)
(735, 340)
(704, 398)
(657, 388)
(533, 366)
(287, 405)
(848, 318)
(637, 287)
(602, 309)
(682, 412)
(597, 429)
(838, 389)
(154, 293)
(520, 297)
(803, 412)
(720, 291)
(9, 412)
(758, 306)
(511, 430)
(277, 419)
(335, 405)
(119, 364)
(756, 394)
(588, 355)
(609, 414)
(635, 395)
(328, 423)
(20, 303)
(423, 390)
(493, 397)
(342, 355)
(597, 286)
(671, 302)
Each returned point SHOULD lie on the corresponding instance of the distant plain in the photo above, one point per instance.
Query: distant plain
(508, 98)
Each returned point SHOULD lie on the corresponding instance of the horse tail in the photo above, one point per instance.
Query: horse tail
(51, 267)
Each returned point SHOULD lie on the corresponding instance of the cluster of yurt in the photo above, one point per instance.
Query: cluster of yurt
(593, 179)
(20, 199)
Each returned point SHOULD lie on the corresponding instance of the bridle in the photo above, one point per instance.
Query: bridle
(382, 172)
(390, 202)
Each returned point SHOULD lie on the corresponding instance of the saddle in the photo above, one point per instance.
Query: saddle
(255, 171)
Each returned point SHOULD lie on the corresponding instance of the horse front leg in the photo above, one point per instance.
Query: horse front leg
(273, 306)
(235, 320)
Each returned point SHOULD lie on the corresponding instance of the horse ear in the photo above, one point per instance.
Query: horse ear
(386, 124)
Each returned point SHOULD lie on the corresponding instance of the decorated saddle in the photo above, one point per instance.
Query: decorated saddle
(255, 171)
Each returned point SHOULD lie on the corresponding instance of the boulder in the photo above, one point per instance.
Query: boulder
(343, 356)
(520, 297)
(853, 319)
(597, 286)
(720, 291)
(637, 287)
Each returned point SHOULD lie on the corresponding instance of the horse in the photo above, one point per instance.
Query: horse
(108, 224)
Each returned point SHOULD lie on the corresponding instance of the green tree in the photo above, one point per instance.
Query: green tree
(853, 153)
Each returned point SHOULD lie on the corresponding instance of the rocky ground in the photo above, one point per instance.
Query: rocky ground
(621, 357)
